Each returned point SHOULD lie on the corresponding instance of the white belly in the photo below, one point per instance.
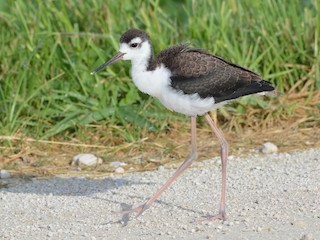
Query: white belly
(191, 105)
(157, 84)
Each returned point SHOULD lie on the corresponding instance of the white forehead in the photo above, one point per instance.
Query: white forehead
(136, 40)
(124, 47)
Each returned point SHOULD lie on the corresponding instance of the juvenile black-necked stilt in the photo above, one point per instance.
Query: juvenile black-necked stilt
(189, 81)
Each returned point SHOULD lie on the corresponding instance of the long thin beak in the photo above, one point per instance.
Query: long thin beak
(114, 59)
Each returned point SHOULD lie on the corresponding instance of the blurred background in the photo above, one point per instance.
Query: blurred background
(51, 108)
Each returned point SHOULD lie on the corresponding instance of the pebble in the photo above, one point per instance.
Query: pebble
(219, 227)
(161, 168)
(269, 148)
(230, 224)
(117, 164)
(299, 223)
(119, 170)
(308, 236)
(4, 174)
(308, 143)
(87, 159)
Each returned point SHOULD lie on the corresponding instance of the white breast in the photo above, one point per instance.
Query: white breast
(157, 84)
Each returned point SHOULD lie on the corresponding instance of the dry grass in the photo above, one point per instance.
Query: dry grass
(299, 130)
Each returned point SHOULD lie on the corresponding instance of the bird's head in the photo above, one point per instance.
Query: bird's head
(134, 45)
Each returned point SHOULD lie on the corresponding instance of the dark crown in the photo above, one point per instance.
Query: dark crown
(133, 33)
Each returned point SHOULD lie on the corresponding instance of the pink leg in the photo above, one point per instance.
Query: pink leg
(224, 156)
(139, 210)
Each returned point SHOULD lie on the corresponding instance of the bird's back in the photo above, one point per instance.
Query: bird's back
(196, 71)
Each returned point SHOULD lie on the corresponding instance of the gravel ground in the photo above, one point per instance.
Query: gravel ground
(268, 197)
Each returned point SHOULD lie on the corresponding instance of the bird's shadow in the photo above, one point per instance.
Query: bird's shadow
(64, 186)
(125, 218)
(81, 186)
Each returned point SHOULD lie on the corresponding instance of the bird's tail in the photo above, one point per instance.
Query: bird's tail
(270, 90)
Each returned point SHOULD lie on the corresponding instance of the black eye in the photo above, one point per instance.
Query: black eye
(134, 45)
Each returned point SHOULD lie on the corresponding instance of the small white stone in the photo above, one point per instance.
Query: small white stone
(86, 159)
(119, 170)
(4, 174)
(219, 227)
(308, 236)
(230, 224)
(299, 224)
(269, 148)
(161, 168)
(308, 143)
(117, 164)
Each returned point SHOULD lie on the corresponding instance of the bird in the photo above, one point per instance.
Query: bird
(189, 81)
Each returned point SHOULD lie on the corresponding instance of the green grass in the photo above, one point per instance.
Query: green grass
(49, 48)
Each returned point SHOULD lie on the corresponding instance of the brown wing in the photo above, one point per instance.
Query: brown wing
(195, 71)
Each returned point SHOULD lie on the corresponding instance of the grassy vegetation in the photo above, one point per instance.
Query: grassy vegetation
(49, 48)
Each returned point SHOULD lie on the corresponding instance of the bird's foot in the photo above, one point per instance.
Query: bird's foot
(139, 210)
(220, 216)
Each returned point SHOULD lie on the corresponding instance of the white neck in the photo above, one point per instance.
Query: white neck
(150, 82)
(140, 65)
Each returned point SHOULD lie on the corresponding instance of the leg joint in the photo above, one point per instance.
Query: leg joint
(224, 145)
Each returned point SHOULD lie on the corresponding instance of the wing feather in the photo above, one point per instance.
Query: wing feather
(196, 71)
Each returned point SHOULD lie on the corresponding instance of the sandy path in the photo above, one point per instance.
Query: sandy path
(269, 197)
